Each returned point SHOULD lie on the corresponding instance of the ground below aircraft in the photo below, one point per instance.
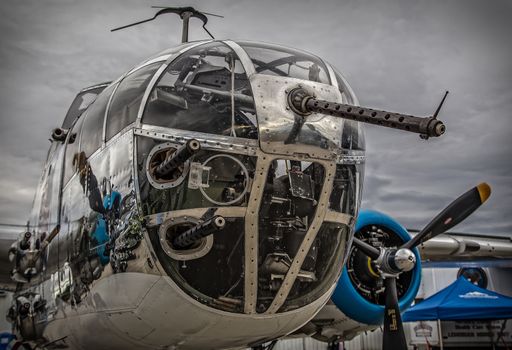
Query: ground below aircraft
(207, 199)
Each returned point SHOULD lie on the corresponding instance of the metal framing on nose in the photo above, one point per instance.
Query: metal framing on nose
(252, 233)
(269, 151)
(298, 260)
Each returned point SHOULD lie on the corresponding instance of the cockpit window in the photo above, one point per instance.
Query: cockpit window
(127, 98)
(206, 90)
(81, 102)
(92, 132)
(277, 60)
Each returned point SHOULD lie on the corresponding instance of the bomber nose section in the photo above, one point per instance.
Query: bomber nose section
(246, 213)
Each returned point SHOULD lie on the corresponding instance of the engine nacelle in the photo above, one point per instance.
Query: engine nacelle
(359, 292)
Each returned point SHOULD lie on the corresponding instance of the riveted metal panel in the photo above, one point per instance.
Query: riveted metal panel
(320, 136)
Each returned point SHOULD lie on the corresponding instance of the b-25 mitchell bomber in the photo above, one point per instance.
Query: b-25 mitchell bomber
(207, 199)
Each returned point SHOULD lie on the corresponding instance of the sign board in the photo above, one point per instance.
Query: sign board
(423, 332)
(476, 332)
(468, 333)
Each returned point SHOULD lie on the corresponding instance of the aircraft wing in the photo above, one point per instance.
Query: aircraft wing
(467, 250)
(449, 250)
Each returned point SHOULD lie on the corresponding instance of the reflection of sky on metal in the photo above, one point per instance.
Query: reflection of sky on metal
(397, 55)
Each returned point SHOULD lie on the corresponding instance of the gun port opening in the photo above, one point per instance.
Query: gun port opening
(158, 158)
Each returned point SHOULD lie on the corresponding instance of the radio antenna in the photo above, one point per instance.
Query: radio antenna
(185, 14)
(440, 105)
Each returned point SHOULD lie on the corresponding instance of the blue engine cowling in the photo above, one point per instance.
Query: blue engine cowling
(346, 295)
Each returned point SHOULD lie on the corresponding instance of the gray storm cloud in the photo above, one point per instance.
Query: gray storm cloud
(397, 55)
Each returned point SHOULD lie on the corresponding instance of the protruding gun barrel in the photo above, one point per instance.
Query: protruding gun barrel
(189, 237)
(304, 104)
(178, 158)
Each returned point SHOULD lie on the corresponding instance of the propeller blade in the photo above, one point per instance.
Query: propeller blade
(453, 214)
(393, 337)
(372, 252)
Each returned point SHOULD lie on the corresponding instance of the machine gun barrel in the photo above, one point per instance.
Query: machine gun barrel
(189, 237)
(178, 158)
(304, 104)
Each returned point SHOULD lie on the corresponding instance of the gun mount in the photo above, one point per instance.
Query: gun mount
(194, 234)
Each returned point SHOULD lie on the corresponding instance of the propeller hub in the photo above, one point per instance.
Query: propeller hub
(392, 261)
(404, 259)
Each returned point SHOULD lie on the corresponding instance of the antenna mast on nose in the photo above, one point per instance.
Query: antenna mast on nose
(185, 14)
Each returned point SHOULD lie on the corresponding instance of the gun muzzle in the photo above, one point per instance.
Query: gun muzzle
(178, 158)
(189, 237)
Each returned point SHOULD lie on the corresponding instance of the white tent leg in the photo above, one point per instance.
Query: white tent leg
(440, 334)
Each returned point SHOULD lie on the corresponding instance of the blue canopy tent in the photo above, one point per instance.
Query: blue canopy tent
(461, 300)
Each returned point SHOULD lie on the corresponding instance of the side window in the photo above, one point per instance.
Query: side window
(92, 131)
(80, 104)
(72, 150)
(127, 98)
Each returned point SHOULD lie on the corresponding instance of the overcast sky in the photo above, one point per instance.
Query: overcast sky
(397, 55)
